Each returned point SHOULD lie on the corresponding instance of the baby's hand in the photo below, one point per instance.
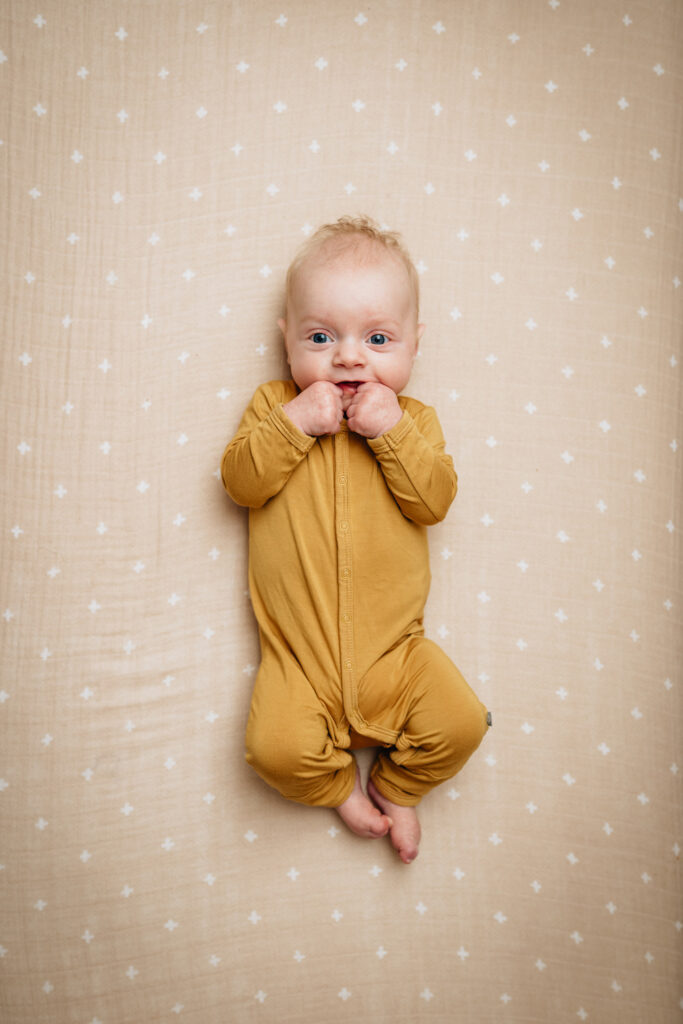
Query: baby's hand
(373, 410)
(318, 409)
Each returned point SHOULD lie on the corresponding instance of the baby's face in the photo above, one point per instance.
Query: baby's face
(352, 320)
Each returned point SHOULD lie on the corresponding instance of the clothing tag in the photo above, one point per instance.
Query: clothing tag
(489, 719)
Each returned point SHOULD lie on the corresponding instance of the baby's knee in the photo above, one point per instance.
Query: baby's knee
(472, 724)
(300, 761)
(272, 750)
(290, 751)
(464, 721)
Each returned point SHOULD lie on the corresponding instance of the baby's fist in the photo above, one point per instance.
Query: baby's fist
(373, 410)
(317, 409)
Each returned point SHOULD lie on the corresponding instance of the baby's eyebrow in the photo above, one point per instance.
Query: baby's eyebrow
(374, 320)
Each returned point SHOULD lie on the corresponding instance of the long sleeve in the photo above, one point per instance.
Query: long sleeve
(264, 452)
(417, 470)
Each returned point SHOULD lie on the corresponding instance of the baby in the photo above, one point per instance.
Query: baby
(341, 474)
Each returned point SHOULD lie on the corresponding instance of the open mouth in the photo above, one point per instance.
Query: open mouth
(349, 385)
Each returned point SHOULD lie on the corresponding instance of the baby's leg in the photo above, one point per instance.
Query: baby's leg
(418, 691)
(292, 742)
(290, 746)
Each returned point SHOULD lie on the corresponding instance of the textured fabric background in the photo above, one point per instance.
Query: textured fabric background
(161, 160)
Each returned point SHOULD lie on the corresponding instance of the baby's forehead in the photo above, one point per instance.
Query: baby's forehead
(344, 255)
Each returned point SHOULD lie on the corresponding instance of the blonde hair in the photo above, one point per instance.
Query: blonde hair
(347, 233)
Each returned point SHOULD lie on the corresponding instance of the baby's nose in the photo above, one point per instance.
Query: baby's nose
(349, 352)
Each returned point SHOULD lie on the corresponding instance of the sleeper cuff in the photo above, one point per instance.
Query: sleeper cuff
(393, 438)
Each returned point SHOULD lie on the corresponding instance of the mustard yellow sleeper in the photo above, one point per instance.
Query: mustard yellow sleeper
(339, 576)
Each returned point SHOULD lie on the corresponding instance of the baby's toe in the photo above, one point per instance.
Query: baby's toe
(408, 853)
(380, 825)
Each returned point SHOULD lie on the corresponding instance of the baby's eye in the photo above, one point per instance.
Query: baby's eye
(378, 339)
(319, 338)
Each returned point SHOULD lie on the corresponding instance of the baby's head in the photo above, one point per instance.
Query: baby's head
(352, 301)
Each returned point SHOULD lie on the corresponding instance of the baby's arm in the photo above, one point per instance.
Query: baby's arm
(418, 471)
(264, 452)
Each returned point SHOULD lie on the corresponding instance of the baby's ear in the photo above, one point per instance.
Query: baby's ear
(418, 334)
(282, 324)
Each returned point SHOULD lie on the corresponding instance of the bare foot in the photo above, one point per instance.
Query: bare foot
(362, 816)
(405, 829)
